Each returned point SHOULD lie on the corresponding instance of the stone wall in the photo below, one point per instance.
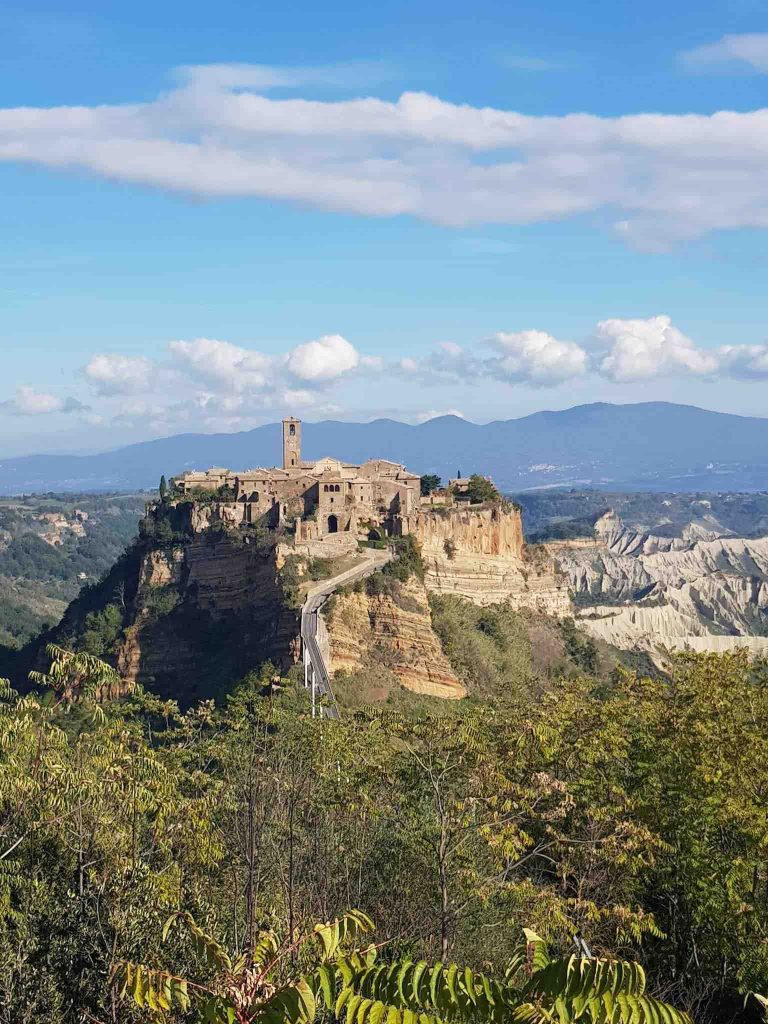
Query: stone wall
(332, 545)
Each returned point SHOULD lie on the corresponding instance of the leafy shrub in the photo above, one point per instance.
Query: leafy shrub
(290, 579)
(102, 630)
(369, 684)
(321, 568)
(488, 648)
(377, 584)
(407, 561)
(162, 600)
(579, 647)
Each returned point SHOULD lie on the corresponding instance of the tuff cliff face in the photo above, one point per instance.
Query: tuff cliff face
(479, 554)
(476, 553)
(391, 629)
(203, 614)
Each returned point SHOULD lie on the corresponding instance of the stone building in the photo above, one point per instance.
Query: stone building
(318, 498)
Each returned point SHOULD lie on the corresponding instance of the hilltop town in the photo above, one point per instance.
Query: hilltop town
(326, 500)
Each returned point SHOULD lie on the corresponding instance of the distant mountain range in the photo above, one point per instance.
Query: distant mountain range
(647, 446)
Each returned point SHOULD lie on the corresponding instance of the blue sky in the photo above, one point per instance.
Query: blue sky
(358, 210)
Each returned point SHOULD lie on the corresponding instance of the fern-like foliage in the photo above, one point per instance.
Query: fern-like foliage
(593, 990)
(77, 675)
(351, 984)
(250, 988)
(536, 989)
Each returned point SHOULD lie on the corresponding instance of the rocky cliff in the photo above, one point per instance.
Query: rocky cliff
(475, 553)
(705, 589)
(203, 616)
(203, 613)
(203, 601)
(392, 629)
(479, 554)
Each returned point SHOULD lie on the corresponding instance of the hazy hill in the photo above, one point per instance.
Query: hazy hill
(651, 445)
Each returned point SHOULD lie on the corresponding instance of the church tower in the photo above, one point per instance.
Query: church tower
(291, 443)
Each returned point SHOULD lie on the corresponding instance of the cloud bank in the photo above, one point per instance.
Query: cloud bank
(212, 384)
(28, 402)
(660, 177)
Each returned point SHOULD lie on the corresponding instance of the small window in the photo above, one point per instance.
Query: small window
(292, 430)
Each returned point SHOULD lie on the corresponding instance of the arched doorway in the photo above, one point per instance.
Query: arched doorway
(333, 524)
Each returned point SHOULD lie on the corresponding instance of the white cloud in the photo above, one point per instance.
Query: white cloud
(372, 362)
(732, 51)
(211, 384)
(643, 349)
(446, 363)
(114, 374)
(746, 362)
(450, 348)
(224, 364)
(324, 359)
(28, 402)
(535, 357)
(664, 176)
(300, 400)
(263, 77)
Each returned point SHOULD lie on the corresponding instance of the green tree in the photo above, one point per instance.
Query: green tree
(102, 630)
(163, 530)
(429, 482)
(93, 832)
(480, 489)
(579, 647)
(163, 488)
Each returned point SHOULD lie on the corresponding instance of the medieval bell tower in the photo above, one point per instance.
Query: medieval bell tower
(291, 443)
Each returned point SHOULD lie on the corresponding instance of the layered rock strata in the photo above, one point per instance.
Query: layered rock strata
(393, 630)
(479, 554)
(205, 613)
(699, 590)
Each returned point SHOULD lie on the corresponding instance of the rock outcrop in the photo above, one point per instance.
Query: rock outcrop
(704, 590)
(203, 614)
(392, 629)
(479, 554)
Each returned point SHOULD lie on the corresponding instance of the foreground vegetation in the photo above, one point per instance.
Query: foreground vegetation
(628, 811)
